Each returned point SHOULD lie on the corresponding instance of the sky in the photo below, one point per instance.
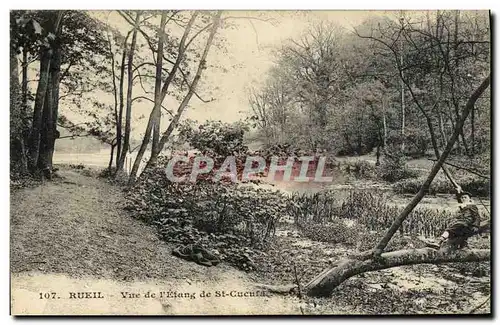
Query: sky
(250, 39)
(250, 55)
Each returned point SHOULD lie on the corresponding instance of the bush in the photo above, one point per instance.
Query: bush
(77, 166)
(216, 137)
(226, 217)
(394, 169)
(371, 209)
(107, 172)
(19, 181)
(361, 169)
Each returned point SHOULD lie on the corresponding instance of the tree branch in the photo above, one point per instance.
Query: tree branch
(152, 101)
(463, 168)
(324, 283)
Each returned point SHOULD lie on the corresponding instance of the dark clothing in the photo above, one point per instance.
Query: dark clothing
(464, 225)
(464, 221)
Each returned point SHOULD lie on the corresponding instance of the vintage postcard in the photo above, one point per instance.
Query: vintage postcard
(183, 162)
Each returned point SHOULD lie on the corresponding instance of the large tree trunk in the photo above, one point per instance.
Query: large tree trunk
(51, 111)
(36, 127)
(53, 23)
(128, 112)
(44, 147)
(17, 149)
(375, 260)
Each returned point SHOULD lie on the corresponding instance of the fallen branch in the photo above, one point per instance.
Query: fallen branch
(324, 283)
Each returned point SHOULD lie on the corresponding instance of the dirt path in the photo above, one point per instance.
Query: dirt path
(72, 235)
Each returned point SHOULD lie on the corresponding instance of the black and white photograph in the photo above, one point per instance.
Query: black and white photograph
(250, 162)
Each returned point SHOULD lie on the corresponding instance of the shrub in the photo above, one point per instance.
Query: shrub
(77, 166)
(216, 137)
(394, 169)
(226, 217)
(361, 169)
(19, 181)
(107, 172)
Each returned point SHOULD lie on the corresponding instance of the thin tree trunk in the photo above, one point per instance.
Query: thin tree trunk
(119, 121)
(403, 109)
(120, 111)
(115, 98)
(24, 89)
(441, 128)
(160, 94)
(192, 89)
(472, 133)
(155, 115)
(385, 124)
(130, 75)
(110, 163)
(24, 83)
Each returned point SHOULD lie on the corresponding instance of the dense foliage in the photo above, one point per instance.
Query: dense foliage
(393, 81)
(231, 219)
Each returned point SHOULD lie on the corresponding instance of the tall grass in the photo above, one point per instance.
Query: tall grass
(366, 208)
